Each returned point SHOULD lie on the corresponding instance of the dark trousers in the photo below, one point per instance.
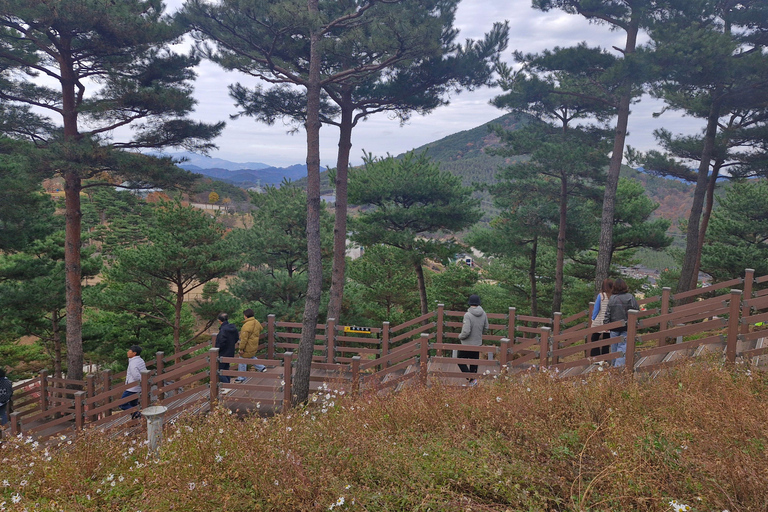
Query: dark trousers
(468, 355)
(599, 351)
(132, 403)
(223, 378)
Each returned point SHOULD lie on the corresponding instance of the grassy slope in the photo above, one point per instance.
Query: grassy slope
(534, 443)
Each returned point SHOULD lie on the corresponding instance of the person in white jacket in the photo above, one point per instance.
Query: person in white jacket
(135, 367)
(475, 322)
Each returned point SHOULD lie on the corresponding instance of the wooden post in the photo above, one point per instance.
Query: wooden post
(330, 341)
(665, 302)
(145, 388)
(385, 342)
(287, 379)
(15, 423)
(544, 347)
(511, 325)
(270, 336)
(79, 417)
(213, 375)
(355, 374)
(423, 357)
(749, 281)
(106, 385)
(629, 355)
(440, 325)
(557, 320)
(504, 353)
(733, 326)
(160, 365)
(44, 390)
(90, 386)
(590, 312)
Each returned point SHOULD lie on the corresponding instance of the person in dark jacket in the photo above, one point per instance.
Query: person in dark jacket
(619, 304)
(225, 342)
(6, 392)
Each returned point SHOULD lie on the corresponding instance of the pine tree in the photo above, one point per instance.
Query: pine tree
(112, 68)
(414, 206)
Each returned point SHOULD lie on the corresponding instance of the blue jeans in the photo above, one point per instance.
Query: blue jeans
(621, 346)
(241, 367)
(132, 403)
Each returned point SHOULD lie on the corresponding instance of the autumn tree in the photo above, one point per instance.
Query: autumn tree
(106, 65)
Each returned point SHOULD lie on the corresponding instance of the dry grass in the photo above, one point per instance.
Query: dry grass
(696, 436)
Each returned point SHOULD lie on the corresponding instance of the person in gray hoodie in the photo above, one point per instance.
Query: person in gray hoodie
(475, 322)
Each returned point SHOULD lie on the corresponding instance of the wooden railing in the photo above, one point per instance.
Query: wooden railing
(389, 356)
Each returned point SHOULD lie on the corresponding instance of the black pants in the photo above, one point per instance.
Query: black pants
(599, 351)
(224, 378)
(468, 355)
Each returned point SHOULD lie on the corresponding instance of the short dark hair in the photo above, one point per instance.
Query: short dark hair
(223, 317)
(474, 300)
(136, 349)
(619, 286)
(2, 373)
(248, 313)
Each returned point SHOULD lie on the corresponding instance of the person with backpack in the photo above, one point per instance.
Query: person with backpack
(6, 393)
(619, 304)
(598, 317)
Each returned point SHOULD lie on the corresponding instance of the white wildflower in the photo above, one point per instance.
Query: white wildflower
(191, 486)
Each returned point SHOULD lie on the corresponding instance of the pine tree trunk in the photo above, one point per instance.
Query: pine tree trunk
(422, 287)
(532, 278)
(72, 234)
(315, 268)
(557, 297)
(605, 245)
(177, 319)
(689, 279)
(340, 222)
(56, 330)
(708, 205)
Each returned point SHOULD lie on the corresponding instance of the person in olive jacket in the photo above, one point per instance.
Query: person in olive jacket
(225, 342)
(249, 343)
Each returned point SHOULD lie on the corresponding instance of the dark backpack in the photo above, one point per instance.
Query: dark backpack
(6, 390)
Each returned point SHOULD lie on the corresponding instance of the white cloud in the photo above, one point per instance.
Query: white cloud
(530, 31)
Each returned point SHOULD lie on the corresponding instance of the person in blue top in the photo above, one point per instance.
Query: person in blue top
(598, 317)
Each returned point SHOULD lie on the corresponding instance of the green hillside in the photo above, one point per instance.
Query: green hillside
(463, 154)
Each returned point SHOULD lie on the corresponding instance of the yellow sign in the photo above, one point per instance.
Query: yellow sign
(358, 330)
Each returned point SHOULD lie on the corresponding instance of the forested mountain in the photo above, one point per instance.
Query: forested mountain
(463, 154)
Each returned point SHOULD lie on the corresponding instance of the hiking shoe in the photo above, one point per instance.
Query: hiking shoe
(240, 379)
(263, 369)
(473, 383)
(135, 415)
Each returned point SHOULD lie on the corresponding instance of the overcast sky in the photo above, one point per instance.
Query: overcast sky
(531, 30)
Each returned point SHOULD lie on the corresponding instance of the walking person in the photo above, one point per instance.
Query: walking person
(225, 342)
(135, 367)
(249, 343)
(619, 304)
(598, 317)
(6, 393)
(475, 322)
